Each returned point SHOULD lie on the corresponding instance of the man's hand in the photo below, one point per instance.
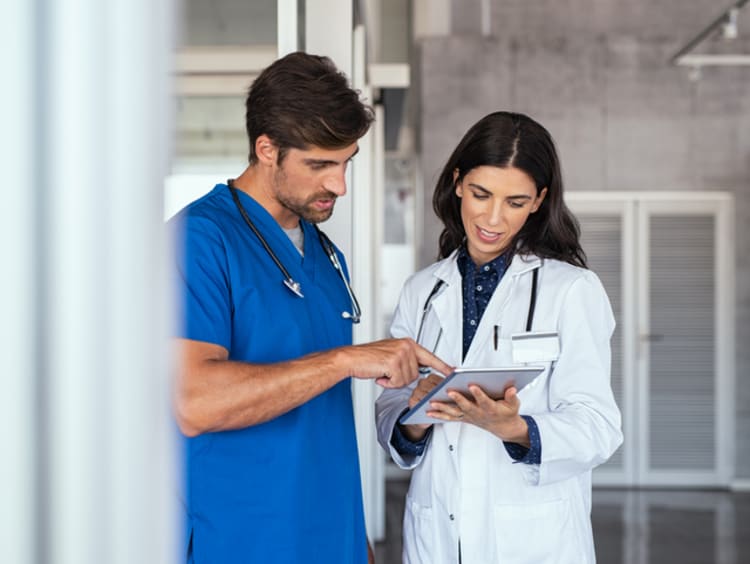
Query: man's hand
(392, 363)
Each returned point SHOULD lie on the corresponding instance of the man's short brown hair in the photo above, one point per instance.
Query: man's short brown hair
(303, 101)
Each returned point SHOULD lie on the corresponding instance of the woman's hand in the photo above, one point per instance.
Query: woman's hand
(499, 417)
(424, 387)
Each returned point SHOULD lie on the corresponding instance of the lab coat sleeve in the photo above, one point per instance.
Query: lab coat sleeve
(392, 402)
(582, 428)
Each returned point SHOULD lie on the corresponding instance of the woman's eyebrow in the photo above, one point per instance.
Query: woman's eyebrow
(479, 187)
(486, 191)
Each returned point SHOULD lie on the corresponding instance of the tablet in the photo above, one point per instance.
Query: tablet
(494, 382)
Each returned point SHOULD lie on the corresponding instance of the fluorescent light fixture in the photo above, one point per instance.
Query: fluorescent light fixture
(726, 24)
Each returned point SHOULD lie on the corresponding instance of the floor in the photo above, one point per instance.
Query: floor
(636, 526)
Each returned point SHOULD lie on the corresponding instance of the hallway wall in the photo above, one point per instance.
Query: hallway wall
(596, 73)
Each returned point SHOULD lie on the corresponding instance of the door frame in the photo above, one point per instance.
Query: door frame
(635, 209)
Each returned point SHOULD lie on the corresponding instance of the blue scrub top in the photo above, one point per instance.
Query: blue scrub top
(288, 490)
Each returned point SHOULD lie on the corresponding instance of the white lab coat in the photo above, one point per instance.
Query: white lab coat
(465, 485)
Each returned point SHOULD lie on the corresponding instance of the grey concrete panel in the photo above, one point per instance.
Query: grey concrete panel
(647, 153)
(461, 80)
(466, 17)
(681, 19)
(579, 137)
(640, 81)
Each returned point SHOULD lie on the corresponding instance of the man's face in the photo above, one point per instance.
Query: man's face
(307, 183)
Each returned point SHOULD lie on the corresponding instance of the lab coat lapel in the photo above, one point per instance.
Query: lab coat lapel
(498, 302)
(448, 308)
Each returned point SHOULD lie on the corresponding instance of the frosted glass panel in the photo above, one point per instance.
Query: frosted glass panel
(230, 22)
(682, 372)
(211, 129)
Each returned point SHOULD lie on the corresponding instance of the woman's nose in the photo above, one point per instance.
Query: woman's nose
(495, 213)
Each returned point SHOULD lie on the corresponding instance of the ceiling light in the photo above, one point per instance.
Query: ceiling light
(729, 27)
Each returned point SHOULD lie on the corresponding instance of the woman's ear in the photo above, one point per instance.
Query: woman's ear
(459, 188)
(539, 199)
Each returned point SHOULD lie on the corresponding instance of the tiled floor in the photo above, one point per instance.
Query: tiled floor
(636, 526)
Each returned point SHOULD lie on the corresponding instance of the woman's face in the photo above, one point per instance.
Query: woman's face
(495, 204)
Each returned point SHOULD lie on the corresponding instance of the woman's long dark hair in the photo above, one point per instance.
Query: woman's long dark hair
(505, 139)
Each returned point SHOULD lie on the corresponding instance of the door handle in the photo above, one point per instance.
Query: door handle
(652, 337)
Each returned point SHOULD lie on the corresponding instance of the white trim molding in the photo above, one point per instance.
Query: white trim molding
(740, 485)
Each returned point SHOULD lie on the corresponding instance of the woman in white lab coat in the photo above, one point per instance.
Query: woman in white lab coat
(509, 480)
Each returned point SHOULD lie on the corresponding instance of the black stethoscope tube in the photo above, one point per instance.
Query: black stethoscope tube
(439, 284)
(356, 313)
(289, 282)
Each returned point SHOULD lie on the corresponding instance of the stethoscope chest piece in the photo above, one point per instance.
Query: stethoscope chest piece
(294, 286)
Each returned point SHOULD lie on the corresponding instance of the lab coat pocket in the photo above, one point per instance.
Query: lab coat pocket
(537, 533)
(499, 353)
(418, 533)
(536, 346)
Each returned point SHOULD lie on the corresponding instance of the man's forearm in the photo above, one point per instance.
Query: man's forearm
(220, 395)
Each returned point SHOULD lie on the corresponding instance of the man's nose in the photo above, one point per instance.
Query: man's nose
(336, 182)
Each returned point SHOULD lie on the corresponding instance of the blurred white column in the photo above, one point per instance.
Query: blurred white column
(90, 475)
(329, 32)
(287, 26)
(18, 249)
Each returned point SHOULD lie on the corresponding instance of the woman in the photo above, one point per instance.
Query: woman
(506, 480)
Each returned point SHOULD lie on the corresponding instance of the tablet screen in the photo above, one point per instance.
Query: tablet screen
(494, 382)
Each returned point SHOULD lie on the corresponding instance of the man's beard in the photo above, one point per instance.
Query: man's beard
(303, 208)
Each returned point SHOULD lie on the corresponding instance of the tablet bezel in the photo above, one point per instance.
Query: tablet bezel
(494, 382)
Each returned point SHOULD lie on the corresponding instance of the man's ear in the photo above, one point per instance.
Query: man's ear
(266, 151)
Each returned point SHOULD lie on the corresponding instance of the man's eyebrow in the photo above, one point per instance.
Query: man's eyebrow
(314, 161)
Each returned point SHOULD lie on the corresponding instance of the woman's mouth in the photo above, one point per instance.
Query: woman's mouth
(488, 236)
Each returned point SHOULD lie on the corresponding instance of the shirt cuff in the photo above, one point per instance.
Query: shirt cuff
(404, 445)
(531, 455)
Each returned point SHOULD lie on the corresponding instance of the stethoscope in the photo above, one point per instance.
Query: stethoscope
(439, 284)
(290, 282)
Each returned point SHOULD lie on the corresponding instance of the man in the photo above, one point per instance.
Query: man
(263, 393)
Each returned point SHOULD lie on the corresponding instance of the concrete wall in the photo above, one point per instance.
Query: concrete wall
(596, 73)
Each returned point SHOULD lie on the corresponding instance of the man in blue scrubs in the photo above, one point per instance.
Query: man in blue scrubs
(263, 394)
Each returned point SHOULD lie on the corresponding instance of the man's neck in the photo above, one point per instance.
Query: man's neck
(257, 183)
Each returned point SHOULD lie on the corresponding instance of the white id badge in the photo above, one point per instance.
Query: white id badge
(538, 346)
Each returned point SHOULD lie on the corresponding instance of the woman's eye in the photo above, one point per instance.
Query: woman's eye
(480, 196)
(517, 204)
